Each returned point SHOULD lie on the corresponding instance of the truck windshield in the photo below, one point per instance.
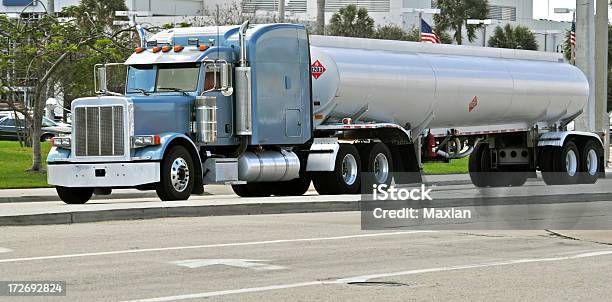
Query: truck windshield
(163, 78)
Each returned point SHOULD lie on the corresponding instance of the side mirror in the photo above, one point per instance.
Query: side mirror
(100, 78)
(227, 88)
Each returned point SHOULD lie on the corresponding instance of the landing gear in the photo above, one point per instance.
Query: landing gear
(177, 175)
(482, 175)
(346, 177)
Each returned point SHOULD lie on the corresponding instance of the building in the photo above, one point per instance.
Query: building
(15, 8)
(549, 34)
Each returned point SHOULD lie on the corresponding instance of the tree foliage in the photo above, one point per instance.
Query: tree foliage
(351, 21)
(454, 14)
(519, 37)
(54, 55)
(393, 32)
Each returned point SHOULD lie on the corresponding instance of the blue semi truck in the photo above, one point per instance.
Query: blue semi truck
(268, 109)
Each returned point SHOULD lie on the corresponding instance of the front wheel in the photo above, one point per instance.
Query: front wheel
(74, 195)
(177, 175)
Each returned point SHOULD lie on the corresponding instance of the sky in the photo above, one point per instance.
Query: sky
(541, 9)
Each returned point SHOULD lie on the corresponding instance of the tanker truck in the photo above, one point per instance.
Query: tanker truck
(269, 109)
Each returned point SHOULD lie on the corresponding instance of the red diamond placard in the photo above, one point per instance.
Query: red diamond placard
(317, 69)
(473, 104)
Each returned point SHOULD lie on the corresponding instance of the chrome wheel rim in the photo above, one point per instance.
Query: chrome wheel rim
(571, 163)
(592, 162)
(349, 169)
(381, 168)
(179, 174)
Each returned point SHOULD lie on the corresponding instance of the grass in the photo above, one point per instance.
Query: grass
(15, 160)
(456, 166)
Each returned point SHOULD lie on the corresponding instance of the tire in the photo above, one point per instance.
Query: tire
(74, 195)
(590, 162)
(546, 161)
(346, 177)
(377, 163)
(262, 189)
(177, 175)
(563, 170)
(475, 166)
(294, 187)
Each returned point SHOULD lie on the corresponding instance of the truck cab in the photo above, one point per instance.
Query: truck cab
(195, 100)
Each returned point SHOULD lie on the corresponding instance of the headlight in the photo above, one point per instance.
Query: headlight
(145, 140)
(61, 142)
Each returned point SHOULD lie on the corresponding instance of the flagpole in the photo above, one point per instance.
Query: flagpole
(420, 26)
(573, 45)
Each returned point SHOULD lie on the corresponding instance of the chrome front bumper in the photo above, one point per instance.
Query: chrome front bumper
(103, 174)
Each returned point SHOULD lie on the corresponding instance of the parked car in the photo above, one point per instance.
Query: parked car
(50, 128)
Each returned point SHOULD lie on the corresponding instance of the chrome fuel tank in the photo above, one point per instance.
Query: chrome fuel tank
(441, 86)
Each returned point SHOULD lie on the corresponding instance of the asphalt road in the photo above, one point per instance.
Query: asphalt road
(304, 257)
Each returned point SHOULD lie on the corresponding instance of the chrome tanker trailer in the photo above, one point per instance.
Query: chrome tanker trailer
(268, 109)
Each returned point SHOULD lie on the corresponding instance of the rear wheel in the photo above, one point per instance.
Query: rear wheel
(74, 195)
(590, 162)
(475, 166)
(177, 175)
(564, 165)
(346, 177)
(377, 163)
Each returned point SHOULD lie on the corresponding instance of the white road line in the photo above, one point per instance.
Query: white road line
(5, 250)
(211, 246)
(365, 278)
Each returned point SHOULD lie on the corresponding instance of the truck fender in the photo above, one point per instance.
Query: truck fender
(322, 157)
(156, 153)
(558, 138)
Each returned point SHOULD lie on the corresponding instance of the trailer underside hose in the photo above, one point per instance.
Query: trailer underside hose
(464, 153)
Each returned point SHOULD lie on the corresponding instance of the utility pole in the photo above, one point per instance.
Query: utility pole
(281, 11)
(602, 119)
(320, 17)
(585, 58)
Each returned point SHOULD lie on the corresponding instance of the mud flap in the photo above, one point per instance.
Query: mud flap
(405, 164)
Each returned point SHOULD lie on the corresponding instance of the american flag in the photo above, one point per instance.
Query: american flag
(428, 34)
(573, 34)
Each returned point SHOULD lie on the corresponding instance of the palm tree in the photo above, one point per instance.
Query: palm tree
(320, 17)
(351, 21)
(519, 37)
(454, 14)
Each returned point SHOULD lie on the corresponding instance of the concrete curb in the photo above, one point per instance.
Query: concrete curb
(273, 208)
(47, 198)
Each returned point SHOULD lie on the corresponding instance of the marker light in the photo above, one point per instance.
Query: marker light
(202, 47)
(166, 48)
(156, 49)
(178, 48)
(140, 141)
(139, 49)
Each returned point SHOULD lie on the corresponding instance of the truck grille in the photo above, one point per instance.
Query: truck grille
(99, 131)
